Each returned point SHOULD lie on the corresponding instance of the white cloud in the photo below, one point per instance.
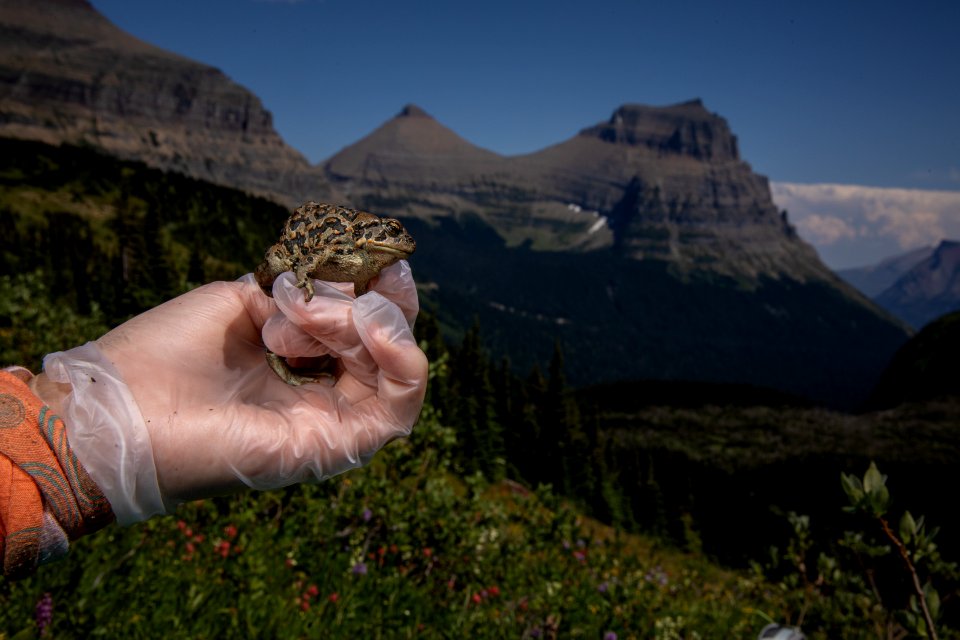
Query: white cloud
(853, 225)
(823, 229)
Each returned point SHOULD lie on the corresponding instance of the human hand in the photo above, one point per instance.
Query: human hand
(215, 417)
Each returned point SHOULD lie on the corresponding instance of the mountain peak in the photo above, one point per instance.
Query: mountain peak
(413, 111)
(405, 148)
(928, 290)
(687, 128)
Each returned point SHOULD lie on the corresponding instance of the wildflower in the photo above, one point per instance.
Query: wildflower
(43, 613)
(603, 586)
(230, 531)
(304, 605)
(223, 548)
(610, 635)
(427, 552)
(360, 569)
(333, 597)
(494, 591)
(366, 515)
(313, 591)
(477, 598)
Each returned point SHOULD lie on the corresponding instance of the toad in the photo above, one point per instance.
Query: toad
(332, 243)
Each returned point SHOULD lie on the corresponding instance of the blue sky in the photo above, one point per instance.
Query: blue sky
(864, 93)
(852, 92)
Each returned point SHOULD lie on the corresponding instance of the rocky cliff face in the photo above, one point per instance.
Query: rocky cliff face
(651, 183)
(68, 75)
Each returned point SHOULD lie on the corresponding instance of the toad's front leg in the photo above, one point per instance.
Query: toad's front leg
(302, 273)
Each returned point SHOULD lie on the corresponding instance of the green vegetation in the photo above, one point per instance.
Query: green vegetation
(517, 508)
(109, 239)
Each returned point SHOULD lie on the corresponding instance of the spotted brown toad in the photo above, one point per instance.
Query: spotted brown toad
(332, 243)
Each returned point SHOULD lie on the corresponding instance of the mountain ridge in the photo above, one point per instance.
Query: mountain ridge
(644, 244)
(67, 74)
(929, 289)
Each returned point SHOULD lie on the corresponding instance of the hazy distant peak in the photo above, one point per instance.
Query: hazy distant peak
(413, 111)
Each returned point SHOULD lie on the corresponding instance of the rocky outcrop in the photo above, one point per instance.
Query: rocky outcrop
(686, 129)
(68, 75)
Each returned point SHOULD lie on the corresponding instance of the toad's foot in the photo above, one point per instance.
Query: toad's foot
(288, 375)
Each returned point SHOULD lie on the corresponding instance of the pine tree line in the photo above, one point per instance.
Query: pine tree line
(529, 429)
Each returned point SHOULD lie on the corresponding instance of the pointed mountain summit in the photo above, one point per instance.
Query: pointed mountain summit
(408, 149)
(68, 75)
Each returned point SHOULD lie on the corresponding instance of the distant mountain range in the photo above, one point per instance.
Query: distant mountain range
(874, 279)
(644, 244)
(918, 286)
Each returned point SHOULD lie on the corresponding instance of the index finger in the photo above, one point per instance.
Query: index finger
(402, 366)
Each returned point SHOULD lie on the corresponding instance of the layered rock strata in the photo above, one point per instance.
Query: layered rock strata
(69, 75)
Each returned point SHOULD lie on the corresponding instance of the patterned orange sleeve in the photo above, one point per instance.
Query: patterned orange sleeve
(46, 496)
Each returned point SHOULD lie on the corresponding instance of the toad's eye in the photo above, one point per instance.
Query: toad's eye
(393, 228)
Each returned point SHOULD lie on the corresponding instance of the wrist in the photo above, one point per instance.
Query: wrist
(105, 429)
(51, 393)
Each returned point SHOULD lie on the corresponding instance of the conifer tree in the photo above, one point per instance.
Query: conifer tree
(532, 461)
(479, 433)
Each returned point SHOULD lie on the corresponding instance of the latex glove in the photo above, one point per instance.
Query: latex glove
(179, 402)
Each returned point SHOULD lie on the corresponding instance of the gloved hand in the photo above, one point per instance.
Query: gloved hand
(179, 402)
